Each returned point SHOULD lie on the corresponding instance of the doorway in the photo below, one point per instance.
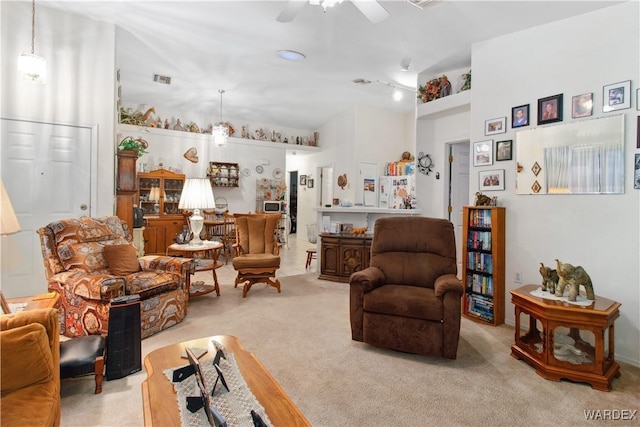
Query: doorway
(46, 169)
(458, 194)
(293, 201)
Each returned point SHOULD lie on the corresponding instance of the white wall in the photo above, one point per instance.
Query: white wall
(600, 233)
(361, 134)
(80, 88)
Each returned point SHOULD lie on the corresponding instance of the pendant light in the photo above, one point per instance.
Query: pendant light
(220, 130)
(31, 66)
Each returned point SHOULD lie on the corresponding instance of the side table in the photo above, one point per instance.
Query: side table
(46, 300)
(198, 252)
(565, 340)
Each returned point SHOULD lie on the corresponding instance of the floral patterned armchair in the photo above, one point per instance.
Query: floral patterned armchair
(76, 268)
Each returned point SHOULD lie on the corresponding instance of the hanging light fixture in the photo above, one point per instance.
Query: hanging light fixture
(220, 130)
(31, 66)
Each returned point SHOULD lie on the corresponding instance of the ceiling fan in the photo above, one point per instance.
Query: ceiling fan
(369, 8)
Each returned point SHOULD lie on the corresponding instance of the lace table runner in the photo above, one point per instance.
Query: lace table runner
(234, 405)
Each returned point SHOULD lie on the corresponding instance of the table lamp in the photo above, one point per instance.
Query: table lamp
(8, 221)
(196, 194)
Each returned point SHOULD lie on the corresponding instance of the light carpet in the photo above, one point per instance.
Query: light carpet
(303, 338)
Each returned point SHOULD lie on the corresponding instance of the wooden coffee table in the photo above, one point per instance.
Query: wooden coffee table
(159, 397)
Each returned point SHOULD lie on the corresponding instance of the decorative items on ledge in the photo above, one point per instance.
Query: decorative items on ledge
(147, 119)
(439, 87)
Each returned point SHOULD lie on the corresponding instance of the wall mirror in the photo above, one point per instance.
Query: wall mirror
(583, 157)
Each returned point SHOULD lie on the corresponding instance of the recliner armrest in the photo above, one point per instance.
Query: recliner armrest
(369, 278)
(166, 263)
(448, 283)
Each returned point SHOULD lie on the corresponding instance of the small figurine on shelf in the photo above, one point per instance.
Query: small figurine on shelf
(444, 87)
(467, 81)
(178, 125)
(244, 133)
(166, 124)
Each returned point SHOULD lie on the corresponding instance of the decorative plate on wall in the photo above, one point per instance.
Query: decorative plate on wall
(246, 172)
(278, 174)
(259, 169)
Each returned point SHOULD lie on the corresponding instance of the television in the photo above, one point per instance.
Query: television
(272, 206)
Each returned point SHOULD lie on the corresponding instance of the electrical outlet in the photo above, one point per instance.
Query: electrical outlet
(518, 278)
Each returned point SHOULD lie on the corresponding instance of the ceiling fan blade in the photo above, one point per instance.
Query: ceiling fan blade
(372, 10)
(290, 10)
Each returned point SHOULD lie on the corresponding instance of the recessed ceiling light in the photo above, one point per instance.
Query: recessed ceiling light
(291, 55)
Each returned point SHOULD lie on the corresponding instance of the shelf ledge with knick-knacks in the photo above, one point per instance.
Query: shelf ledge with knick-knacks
(133, 129)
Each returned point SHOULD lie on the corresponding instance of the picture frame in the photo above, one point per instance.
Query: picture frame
(491, 180)
(638, 99)
(616, 96)
(520, 116)
(483, 153)
(550, 109)
(636, 172)
(303, 179)
(504, 150)
(310, 183)
(494, 126)
(582, 105)
(638, 133)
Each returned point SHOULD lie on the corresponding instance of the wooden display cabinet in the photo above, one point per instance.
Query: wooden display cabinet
(564, 340)
(343, 254)
(483, 252)
(159, 195)
(223, 174)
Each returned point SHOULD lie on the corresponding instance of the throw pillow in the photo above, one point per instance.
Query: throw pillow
(121, 259)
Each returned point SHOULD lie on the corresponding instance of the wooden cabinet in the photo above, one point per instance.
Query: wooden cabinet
(343, 254)
(126, 188)
(483, 263)
(563, 340)
(159, 195)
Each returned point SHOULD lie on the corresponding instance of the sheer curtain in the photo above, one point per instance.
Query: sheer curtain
(586, 169)
(597, 168)
(557, 163)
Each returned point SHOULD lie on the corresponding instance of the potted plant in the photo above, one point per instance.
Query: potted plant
(138, 145)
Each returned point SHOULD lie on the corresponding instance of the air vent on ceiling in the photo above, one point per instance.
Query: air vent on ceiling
(162, 79)
(422, 3)
(361, 81)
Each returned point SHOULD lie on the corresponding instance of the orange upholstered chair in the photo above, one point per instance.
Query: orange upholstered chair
(257, 251)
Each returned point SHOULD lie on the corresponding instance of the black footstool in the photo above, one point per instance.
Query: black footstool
(83, 356)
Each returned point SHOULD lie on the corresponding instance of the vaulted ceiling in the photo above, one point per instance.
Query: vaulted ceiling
(205, 46)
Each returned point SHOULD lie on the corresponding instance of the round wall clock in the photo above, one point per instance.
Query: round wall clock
(259, 169)
(246, 172)
(278, 174)
(425, 164)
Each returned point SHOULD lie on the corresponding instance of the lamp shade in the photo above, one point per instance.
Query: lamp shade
(8, 222)
(197, 194)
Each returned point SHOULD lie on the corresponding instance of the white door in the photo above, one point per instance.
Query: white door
(458, 192)
(46, 169)
(326, 185)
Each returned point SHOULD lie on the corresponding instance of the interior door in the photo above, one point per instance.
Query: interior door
(46, 169)
(326, 185)
(458, 191)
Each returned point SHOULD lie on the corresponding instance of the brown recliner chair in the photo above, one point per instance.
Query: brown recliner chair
(408, 299)
(257, 252)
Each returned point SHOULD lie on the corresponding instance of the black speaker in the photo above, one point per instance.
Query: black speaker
(123, 339)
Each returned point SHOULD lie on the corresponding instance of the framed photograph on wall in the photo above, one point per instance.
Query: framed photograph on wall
(636, 172)
(310, 183)
(504, 150)
(520, 116)
(303, 179)
(582, 105)
(616, 96)
(550, 109)
(493, 126)
(638, 99)
(491, 180)
(483, 153)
